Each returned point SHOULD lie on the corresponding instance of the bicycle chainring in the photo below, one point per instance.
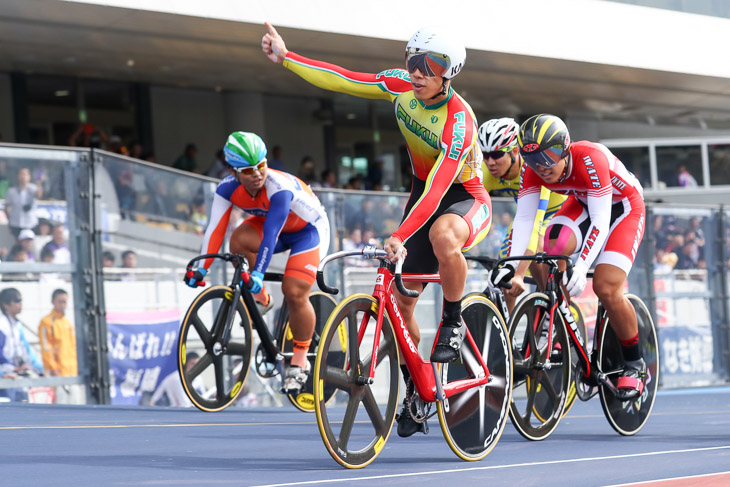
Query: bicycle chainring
(419, 409)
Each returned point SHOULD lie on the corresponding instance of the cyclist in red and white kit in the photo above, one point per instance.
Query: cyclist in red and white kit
(601, 224)
(449, 210)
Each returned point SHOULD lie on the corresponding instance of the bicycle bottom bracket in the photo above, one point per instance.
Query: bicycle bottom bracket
(264, 367)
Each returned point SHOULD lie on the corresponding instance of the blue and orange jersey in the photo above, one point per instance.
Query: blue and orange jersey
(441, 138)
(285, 201)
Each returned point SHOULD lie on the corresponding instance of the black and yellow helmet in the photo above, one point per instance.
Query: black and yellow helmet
(544, 140)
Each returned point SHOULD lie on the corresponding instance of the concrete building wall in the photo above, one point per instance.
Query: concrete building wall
(7, 128)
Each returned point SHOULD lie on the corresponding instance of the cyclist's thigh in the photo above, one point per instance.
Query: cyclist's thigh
(305, 253)
(247, 236)
(567, 229)
(478, 217)
(625, 234)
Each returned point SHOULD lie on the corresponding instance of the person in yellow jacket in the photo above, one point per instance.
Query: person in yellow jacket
(58, 342)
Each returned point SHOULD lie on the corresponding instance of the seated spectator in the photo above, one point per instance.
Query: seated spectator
(107, 259)
(17, 359)
(186, 161)
(219, 168)
(275, 162)
(129, 261)
(308, 171)
(329, 179)
(26, 239)
(684, 178)
(126, 194)
(61, 253)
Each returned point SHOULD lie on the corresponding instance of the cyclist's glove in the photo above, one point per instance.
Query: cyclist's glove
(502, 276)
(194, 278)
(578, 279)
(256, 284)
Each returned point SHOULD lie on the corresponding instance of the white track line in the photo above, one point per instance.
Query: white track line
(668, 479)
(495, 467)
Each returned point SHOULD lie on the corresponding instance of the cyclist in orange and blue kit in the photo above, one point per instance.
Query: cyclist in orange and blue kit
(285, 215)
(449, 211)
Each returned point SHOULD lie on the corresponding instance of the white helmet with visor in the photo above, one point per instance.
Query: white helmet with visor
(435, 53)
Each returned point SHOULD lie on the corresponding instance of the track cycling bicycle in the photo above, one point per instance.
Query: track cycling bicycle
(221, 335)
(472, 395)
(544, 335)
(539, 425)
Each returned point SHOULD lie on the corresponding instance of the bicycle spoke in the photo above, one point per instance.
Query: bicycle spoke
(219, 379)
(371, 406)
(337, 376)
(349, 420)
(203, 332)
(198, 368)
(547, 386)
(352, 338)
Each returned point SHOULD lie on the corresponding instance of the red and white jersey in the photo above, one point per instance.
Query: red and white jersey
(595, 177)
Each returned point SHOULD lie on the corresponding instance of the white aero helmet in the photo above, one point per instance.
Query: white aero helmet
(435, 53)
(498, 134)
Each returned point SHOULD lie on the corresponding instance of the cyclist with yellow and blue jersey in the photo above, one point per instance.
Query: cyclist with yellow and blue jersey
(502, 164)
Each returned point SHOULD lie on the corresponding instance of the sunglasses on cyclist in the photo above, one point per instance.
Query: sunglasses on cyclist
(496, 154)
(247, 171)
(428, 63)
(545, 159)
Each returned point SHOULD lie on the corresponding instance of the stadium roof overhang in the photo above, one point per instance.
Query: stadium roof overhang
(97, 41)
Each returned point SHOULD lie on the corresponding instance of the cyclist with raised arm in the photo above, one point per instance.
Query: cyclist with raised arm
(503, 162)
(600, 224)
(285, 215)
(448, 211)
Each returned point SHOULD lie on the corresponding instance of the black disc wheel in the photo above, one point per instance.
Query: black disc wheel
(473, 420)
(356, 425)
(323, 305)
(213, 373)
(628, 417)
(541, 381)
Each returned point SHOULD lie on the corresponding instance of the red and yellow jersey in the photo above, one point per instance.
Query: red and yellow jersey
(441, 138)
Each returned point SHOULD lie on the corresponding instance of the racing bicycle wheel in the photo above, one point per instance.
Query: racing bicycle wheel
(541, 383)
(628, 417)
(323, 305)
(543, 408)
(356, 426)
(473, 420)
(213, 379)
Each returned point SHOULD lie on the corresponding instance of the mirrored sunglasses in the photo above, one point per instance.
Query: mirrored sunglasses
(496, 154)
(428, 63)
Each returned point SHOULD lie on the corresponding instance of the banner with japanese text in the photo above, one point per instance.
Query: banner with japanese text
(142, 352)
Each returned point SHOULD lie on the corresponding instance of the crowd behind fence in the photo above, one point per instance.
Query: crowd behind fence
(121, 231)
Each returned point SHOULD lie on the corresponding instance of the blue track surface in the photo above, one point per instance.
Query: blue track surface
(687, 434)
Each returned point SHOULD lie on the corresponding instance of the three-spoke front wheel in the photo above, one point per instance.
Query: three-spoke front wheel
(541, 373)
(356, 425)
(473, 420)
(213, 372)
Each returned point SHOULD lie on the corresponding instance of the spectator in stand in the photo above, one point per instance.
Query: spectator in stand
(275, 162)
(88, 135)
(688, 256)
(199, 214)
(186, 161)
(308, 171)
(684, 178)
(16, 357)
(58, 344)
(116, 146)
(329, 178)
(219, 167)
(129, 261)
(136, 150)
(61, 253)
(4, 180)
(26, 240)
(20, 203)
(107, 259)
(126, 194)
(666, 264)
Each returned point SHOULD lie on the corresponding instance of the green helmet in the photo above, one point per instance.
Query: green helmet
(244, 149)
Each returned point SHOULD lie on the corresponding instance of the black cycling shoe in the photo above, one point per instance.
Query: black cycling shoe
(407, 426)
(448, 342)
